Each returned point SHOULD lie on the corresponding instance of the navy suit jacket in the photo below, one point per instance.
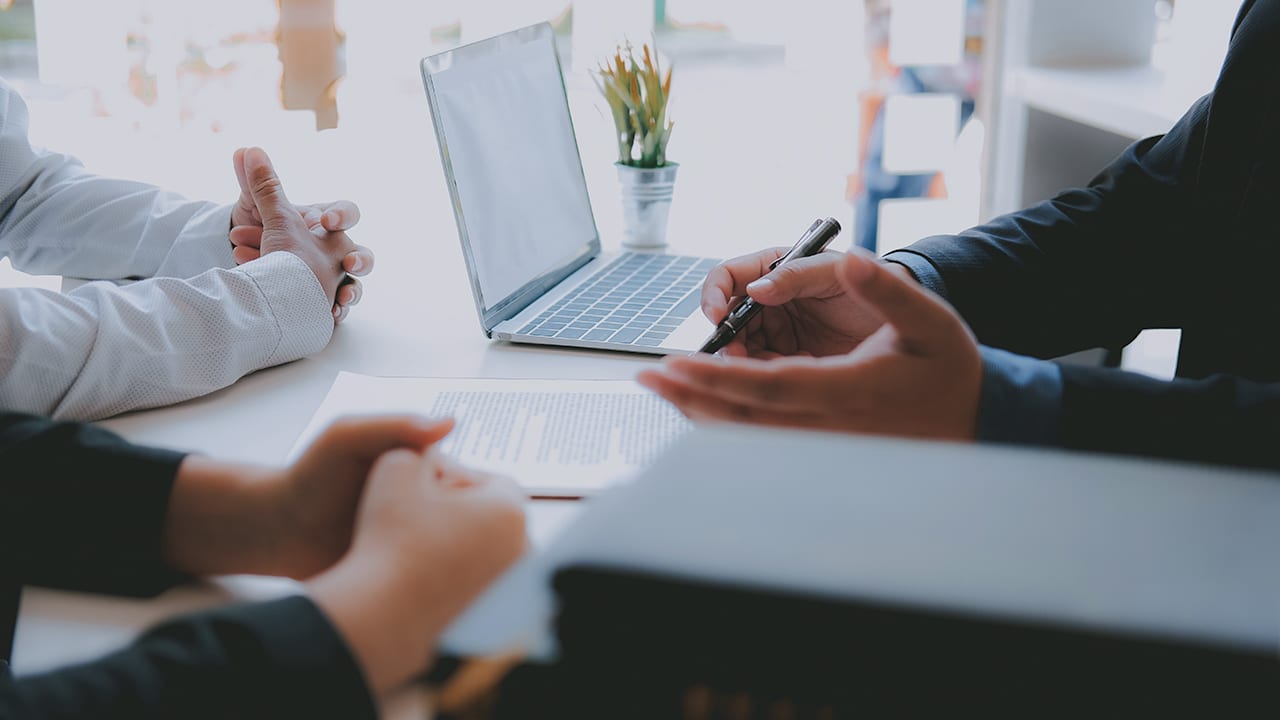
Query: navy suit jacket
(1181, 231)
(82, 509)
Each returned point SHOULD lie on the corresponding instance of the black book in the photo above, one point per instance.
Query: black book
(640, 645)
(833, 577)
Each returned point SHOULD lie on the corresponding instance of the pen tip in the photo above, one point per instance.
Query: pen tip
(721, 337)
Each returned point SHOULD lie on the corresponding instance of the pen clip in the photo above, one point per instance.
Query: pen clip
(804, 236)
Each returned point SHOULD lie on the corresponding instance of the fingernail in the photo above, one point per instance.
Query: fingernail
(337, 310)
(356, 264)
(764, 284)
(331, 219)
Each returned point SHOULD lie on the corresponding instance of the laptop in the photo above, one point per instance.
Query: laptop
(528, 235)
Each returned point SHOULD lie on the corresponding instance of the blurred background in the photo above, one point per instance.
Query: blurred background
(902, 117)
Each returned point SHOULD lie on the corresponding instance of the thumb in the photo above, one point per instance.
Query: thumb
(391, 470)
(369, 437)
(244, 213)
(921, 319)
(267, 192)
(800, 278)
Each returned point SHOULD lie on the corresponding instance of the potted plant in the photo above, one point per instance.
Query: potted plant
(637, 94)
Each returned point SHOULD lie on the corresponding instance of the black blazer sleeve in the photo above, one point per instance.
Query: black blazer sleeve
(280, 659)
(1220, 419)
(1179, 232)
(81, 508)
(1089, 268)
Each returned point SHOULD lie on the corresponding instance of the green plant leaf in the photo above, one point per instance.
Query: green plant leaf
(637, 91)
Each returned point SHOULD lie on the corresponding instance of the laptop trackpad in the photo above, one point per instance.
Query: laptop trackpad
(690, 334)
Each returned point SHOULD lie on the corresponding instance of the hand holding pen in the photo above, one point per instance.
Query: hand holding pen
(741, 313)
(880, 354)
(806, 309)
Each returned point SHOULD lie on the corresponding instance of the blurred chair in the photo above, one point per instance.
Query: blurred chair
(310, 45)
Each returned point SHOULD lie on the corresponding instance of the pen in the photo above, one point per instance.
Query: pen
(813, 241)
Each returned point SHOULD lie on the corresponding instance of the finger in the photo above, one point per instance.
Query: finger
(360, 262)
(246, 236)
(340, 313)
(765, 354)
(311, 216)
(368, 437)
(480, 486)
(502, 490)
(700, 406)
(276, 211)
(507, 487)
(751, 344)
(237, 159)
(349, 293)
(339, 215)
(452, 475)
(337, 244)
(438, 467)
(813, 276)
(244, 204)
(799, 386)
(730, 279)
(396, 465)
(776, 333)
(920, 318)
(243, 255)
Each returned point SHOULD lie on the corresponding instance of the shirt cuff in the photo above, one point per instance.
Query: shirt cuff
(1021, 400)
(303, 315)
(920, 266)
(204, 242)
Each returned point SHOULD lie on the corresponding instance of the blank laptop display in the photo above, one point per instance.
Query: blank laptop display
(529, 238)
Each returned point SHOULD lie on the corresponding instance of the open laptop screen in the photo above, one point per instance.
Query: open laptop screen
(512, 163)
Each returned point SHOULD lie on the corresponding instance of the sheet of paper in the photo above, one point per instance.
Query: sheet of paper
(556, 437)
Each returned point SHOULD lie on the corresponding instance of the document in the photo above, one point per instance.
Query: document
(557, 438)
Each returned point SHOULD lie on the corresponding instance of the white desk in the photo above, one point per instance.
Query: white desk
(417, 317)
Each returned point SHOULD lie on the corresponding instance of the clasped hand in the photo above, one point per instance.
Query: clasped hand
(263, 221)
(843, 343)
(393, 539)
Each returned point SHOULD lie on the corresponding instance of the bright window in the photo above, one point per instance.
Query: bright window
(767, 97)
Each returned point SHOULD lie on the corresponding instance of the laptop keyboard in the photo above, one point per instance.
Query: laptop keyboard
(638, 299)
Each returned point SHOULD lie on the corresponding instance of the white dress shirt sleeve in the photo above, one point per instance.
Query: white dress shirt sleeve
(101, 349)
(56, 218)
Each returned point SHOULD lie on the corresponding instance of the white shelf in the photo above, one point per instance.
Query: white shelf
(1131, 101)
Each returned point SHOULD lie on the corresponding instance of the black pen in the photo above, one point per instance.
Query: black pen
(813, 241)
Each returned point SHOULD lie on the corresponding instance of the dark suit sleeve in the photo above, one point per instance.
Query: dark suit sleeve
(1091, 268)
(81, 508)
(278, 659)
(1088, 268)
(1219, 419)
